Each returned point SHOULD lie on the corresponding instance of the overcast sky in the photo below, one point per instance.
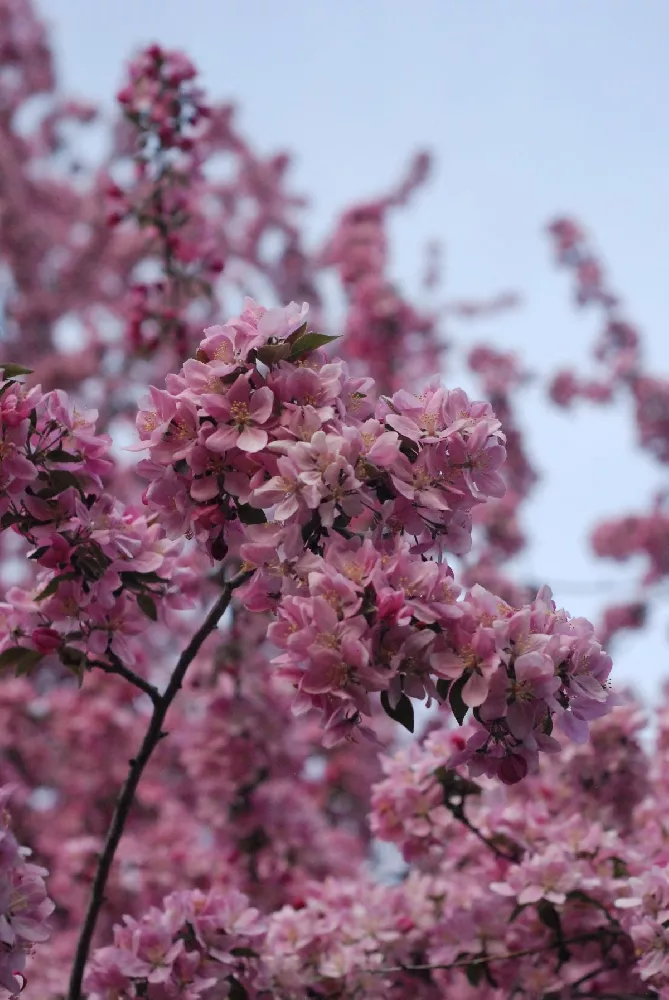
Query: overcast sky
(532, 108)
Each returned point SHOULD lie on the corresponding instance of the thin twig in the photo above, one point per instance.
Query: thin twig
(459, 814)
(117, 667)
(126, 797)
(485, 959)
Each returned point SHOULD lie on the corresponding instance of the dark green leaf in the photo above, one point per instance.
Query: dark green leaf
(148, 606)
(296, 334)
(250, 515)
(308, 343)
(402, 712)
(341, 522)
(11, 371)
(38, 553)
(620, 869)
(60, 455)
(10, 657)
(244, 953)
(27, 662)
(271, 354)
(60, 480)
(236, 991)
(70, 656)
(517, 910)
(74, 660)
(9, 518)
(54, 584)
(132, 579)
(311, 528)
(475, 972)
(458, 706)
(443, 687)
(231, 376)
(549, 916)
(20, 658)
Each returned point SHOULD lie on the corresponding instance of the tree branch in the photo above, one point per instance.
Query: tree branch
(126, 797)
(118, 668)
(486, 959)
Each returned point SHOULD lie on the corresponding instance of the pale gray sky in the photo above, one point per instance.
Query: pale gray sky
(532, 108)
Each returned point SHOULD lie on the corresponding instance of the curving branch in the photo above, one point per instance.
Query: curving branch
(126, 797)
(119, 669)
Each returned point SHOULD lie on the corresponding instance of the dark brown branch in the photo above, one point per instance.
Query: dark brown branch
(459, 814)
(486, 959)
(126, 797)
(118, 668)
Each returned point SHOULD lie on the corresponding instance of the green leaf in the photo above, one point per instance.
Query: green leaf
(296, 334)
(132, 579)
(236, 991)
(60, 455)
(53, 585)
(60, 480)
(402, 712)
(71, 657)
(475, 972)
(10, 657)
(148, 606)
(244, 953)
(11, 371)
(517, 910)
(549, 916)
(38, 553)
(443, 687)
(271, 354)
(20, 658)
(75, 660)
(9, 518)
(458, 706)
(620, 869)
(250, 515)
(28, 662)
(311, 527)
(308, 343)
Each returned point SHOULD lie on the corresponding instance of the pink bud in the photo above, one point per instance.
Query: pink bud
(512, 769)
(46, 639)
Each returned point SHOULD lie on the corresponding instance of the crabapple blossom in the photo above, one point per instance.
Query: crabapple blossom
(205, 786)
(24, 904)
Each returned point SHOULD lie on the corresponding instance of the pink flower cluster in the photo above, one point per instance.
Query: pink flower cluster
(638, 535)
(168, 118)
(104, 571)
(384, 334)
(618, 354)
(263, 447)
(550, 863)
(498, 534)
(537, 889)
(195, 942)
(24, 904)
(618, 348)
(341, 506)
(645, 906)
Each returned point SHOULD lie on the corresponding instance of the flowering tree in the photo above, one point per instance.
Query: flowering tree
(206, 650)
